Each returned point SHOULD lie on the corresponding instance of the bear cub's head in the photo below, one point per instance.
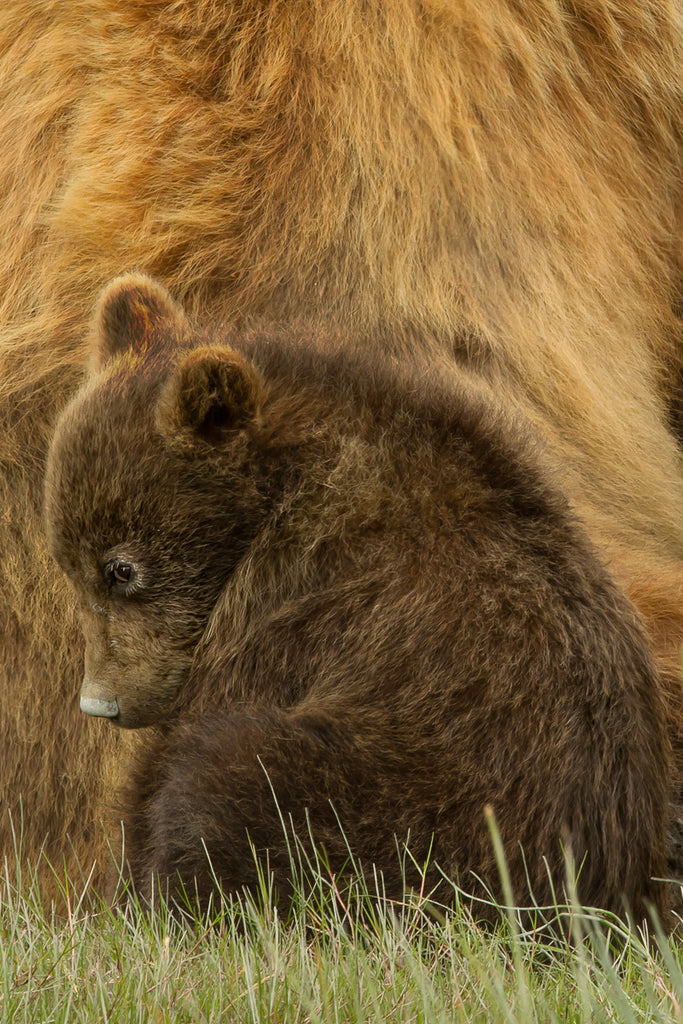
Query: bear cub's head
(150, 498)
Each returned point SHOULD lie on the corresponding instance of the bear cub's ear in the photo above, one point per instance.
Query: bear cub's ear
(134, 312)
(213, 393)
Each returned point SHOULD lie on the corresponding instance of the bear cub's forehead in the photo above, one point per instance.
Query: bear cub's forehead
(106, 438)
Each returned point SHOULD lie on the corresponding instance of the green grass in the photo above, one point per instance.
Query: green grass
(341, 956)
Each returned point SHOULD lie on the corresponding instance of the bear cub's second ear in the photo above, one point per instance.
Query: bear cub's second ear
(134, 312)
(213, 393)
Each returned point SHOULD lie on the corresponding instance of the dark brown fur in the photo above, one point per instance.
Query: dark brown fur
(378, 603)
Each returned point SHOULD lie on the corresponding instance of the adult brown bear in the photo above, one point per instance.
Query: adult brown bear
(351, 587)
(493, 186)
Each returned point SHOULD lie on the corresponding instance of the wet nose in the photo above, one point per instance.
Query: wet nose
(99, 708)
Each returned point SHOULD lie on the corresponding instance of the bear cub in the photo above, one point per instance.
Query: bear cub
(345, 593)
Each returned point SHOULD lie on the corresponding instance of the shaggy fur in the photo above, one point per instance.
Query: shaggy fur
(492, 185)
(355, 586)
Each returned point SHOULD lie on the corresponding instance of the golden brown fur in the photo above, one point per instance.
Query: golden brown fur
(492, 185)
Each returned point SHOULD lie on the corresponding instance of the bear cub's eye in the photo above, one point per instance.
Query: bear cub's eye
(119, 575)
